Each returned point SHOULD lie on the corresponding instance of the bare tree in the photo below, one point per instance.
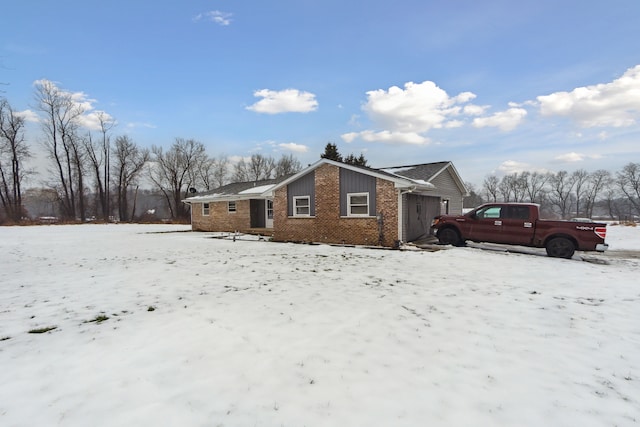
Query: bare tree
(490, 186)
(287, 165)
(628, 182)
(129, 161)
(240, 172)
(561, 187)
(599, 181)
(220, 171)
(508, 188)
(60, 124)
(172, 172)
(13, 153)
(535, 183)
(257, 168)
(98, 154)
(260, 167)
(580, 180)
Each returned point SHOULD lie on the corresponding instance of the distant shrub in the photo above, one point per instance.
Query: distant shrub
(42, 330)
(98, 319)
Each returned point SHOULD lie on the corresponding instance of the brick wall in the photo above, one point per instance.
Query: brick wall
(327, 226)
(219, 219)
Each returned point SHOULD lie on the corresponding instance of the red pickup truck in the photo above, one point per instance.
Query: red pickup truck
(519, 224)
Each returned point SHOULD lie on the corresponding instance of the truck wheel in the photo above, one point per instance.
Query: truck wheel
(560, 247)
(449, 236)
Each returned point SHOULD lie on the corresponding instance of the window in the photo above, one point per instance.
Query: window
(269, 209)
(518, 212)
(358, 204)
(445, 207)
(490, 212)
(301, 206)
(232, 207)
(205, 209)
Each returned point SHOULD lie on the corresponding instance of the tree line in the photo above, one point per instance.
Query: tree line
(95, 174)
(566, 194)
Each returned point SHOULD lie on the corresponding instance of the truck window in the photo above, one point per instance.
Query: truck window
(489, 212)
(518, 212)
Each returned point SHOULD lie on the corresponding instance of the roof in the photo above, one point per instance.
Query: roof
(237, 191)
(428, 172)
(412, 177)
(399, 181)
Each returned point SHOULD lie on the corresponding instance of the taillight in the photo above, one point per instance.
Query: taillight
(601, 232)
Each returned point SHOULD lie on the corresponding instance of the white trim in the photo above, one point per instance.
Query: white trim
(208, 209)
(295, 207)
(268, 221)
(235, 206)
(349, 204)
(400, 215)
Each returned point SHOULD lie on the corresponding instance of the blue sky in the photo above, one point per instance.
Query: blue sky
(494, 86)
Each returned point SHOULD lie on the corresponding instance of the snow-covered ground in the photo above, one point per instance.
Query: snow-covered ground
(180, 329)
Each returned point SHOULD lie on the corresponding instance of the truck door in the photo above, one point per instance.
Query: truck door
(517, 225)
(486, 224)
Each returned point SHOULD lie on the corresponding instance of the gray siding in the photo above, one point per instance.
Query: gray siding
(354, 182)
(446, 188)
(304, 186)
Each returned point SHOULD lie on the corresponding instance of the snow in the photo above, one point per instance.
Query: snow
(258, 190)
(215, 332)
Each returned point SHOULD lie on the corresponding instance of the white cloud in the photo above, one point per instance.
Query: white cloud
(572, 157)
(292, 146)
(615, 104)
(386, 136)
(285, 101)
(504, 120)
(474, 110)
(28, 116)
(405, 115)
(216, 16)
(91, 120)
(511, 166)
(133, 125)
(417, 108)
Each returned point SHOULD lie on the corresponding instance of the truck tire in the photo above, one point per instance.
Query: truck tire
(449, 236)
(560, 247)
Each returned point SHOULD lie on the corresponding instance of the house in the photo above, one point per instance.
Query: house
(334, 202)
(238, 207)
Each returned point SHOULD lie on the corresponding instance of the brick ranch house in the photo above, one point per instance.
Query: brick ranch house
(333, 202)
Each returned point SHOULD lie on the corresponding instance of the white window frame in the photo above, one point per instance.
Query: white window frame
(350, 204)
(206, 209)
(269, 209)
(296, 207)
(231, 203)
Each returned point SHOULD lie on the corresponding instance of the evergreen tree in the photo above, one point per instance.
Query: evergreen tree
(331, 153)
(351, 159)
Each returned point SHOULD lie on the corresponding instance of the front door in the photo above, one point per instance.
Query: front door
(269, 214)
